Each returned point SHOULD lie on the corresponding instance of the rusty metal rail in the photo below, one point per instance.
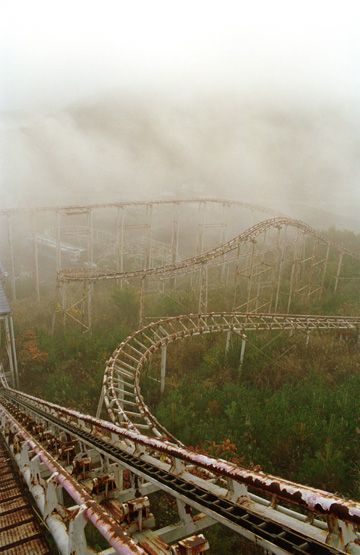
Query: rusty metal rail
(207, 258)
(262, 275)
(247, 501)
(33, 459)
(121, 386)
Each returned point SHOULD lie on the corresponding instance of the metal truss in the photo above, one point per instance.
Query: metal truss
(54, 462)
(140, 204)
(110, 249)
(7, 336)
(31, 218)
(270, 265)
(7, 340)
(121, 386)
(279, 515)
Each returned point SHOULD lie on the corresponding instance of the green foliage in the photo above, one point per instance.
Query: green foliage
(292, 411)
(299, 426)
(69, 367)
(126, 301)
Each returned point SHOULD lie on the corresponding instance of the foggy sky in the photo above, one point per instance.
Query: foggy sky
(140, 99)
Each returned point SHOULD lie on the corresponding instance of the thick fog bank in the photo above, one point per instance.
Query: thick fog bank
(302, 160)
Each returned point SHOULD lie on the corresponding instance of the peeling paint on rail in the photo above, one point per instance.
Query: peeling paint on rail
(104, 523)
(312, 499)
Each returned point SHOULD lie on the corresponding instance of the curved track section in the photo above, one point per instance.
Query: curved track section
(121, 386)
(191, 263)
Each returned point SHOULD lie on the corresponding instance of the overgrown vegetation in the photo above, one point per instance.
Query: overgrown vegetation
(290, 410)
(297, 416)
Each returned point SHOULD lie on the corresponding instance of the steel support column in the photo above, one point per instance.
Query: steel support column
(12, 257)
(163, 368)
(36, 257)
(242, 351)
(338, 271)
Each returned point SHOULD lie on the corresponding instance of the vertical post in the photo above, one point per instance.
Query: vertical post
(58, 241)
(250, 276)
(223, 239)
(227, 274)
(100, 403)
(294, 268)
(9, 350)
(177, 234)
(203, 294)
(119, 476)
(307, 340)
(90, 238)
(227, 342)
(338, 271)
(257, 282)
(236, 275)
(200, 238)
(120, 230)
(302, 266)
(291, 287)
(12, 258)
(242, 351)
(326, 260)
(175, 239)
(185, 515)
(149, 209)
(12, 337)
(224, 224)
(163, 368)
(89, 290)
(141, 306)
(56, 307)
(121, 394)
(311, 270)
(278, 284)
(36, 257)
(175, 243)
(63, 302)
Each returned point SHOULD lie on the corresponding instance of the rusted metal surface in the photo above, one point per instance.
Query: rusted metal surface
(275, 272)
(153, 544)
(20, 532)
(312, 499)
(200, 260)
(193, 545)
(124, 368)
(134, 515)
(104, 523)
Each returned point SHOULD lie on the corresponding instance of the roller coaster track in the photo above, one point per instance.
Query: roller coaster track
(281, 516)
(272, 275)
(35, 220)
(121, 386)
(141, 204)
(189, 264)
(249, 502)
